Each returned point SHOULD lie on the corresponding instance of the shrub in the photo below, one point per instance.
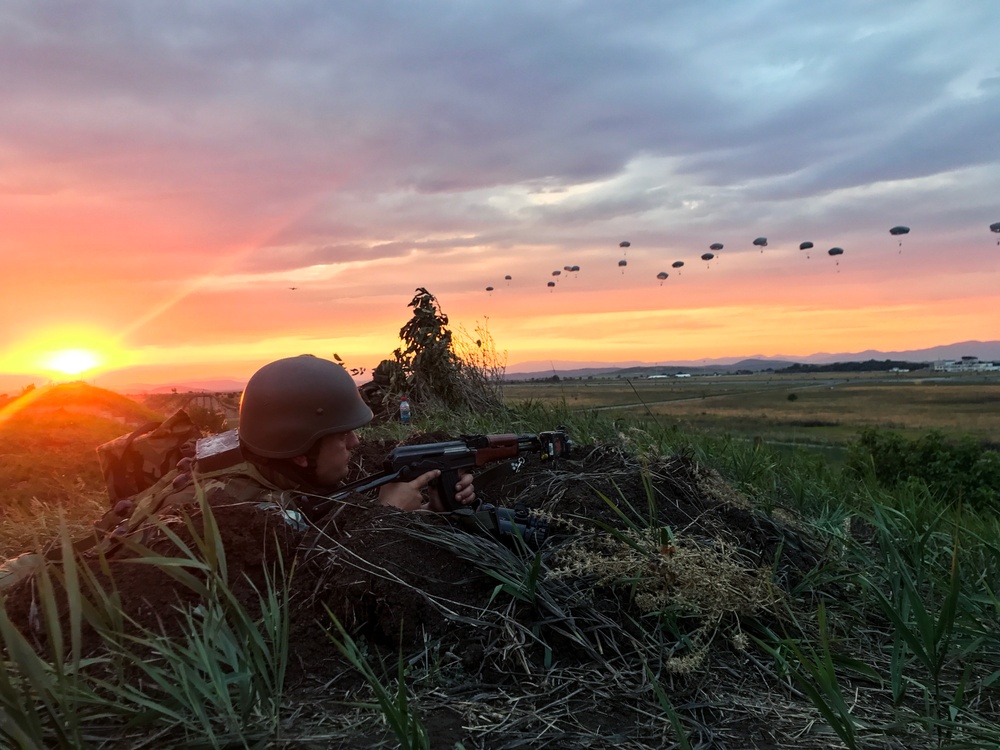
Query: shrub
(435, 369)
(959, 470)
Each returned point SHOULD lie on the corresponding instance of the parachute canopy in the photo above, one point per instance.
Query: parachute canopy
(622, 263)
(556, 273)
(677, 264)
(489, 289)
(899, 230)
(835, 251)
(715, 246)
(551, 283)
(567, 268)
(662, 275)
(508, 277)
(995, 227)
(624, 243)
(574, 269)
(805, 245)
(760, 242)
(707, 256)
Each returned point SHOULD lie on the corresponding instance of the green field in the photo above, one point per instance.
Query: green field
(695, 587)
(820, 409)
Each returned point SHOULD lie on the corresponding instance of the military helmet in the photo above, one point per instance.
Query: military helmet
(291, 403)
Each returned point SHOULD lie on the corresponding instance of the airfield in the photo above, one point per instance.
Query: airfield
(812, 409)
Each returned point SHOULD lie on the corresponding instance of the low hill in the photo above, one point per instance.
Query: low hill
(79, 398)
(48, 439)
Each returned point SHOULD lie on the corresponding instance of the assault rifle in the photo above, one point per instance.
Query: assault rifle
(407, 462)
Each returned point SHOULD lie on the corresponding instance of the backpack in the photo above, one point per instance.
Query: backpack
(135, 462)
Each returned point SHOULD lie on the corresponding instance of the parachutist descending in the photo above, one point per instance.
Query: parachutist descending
(899, 232)
(707, 257)
(677, 264)
(834, 252)
(662, 275)
(761, 242)
(995, 228)
(805, 246)
(622, 263)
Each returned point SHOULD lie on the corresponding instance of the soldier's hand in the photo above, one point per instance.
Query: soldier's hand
(421, 493)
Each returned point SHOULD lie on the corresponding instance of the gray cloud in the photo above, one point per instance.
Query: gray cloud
(400, 120)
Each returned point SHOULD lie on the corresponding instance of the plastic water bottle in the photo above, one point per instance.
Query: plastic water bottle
(404, 412)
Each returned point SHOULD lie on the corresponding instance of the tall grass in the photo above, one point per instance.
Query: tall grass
(894, 636)
(913, 594)
(218, 682)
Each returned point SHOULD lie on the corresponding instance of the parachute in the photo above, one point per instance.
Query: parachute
(835, 251)
(507, 278)
(995, 228)
(622, 263)
(707, 257)
(805, 246)
(662, 275)
(761, 242)
(551, 284)
(567, 268)
(489, 289)
(624, 243)
(677, 264)
(575, 269)
(556, 273)
(715, 246)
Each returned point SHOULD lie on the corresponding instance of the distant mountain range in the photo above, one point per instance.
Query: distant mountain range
(210, 385)
(984, 350)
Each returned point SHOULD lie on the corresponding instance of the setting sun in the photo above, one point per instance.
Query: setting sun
(65, 351)
(72, 361)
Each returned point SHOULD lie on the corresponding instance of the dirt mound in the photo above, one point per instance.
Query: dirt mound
(650, 568)
(81, 398)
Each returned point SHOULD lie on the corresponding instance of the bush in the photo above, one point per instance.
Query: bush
(956, 470)
(434, 369)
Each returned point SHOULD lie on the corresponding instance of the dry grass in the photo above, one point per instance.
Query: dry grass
(831, 407)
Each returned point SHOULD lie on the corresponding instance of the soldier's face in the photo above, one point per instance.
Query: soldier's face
(333, 462)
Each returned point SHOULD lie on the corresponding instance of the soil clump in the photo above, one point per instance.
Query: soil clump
(653, 573)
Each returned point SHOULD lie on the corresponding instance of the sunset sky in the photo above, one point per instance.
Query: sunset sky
(170, 170)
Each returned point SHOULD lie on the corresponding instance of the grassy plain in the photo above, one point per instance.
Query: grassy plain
(825, 409)
(876, 628)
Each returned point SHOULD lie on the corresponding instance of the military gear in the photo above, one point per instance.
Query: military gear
(134, 462)
(140, 518)
(291, 403)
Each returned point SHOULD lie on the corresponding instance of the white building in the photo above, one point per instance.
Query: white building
(965, 364)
